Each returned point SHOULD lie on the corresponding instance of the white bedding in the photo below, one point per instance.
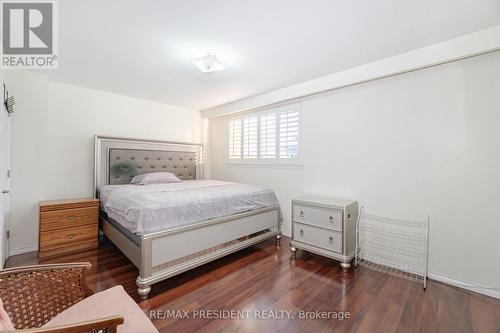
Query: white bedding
(149, 208)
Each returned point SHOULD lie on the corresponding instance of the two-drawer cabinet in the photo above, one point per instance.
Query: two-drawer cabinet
(68, 226)
(325, 226)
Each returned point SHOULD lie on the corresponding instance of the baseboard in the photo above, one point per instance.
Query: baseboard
(23, 249)
(478, 288)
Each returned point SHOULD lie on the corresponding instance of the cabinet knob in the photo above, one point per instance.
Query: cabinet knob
(71, 218)
(331, 219)
(301, 214)
(330, 240)
(302, 232)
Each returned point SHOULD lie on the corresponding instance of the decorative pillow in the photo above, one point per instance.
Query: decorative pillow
(155, 178)
(5, 322)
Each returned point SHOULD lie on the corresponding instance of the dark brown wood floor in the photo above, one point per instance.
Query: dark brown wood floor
(263, 277)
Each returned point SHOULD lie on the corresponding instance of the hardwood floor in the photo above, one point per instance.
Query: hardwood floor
(263, 277)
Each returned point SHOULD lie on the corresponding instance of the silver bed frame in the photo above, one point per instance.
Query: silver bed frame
(161, 255)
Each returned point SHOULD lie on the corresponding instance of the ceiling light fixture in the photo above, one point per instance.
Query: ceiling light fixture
(209, 63)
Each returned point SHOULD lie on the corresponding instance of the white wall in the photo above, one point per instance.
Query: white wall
(52, 148)
(405, 146)
(76, 114)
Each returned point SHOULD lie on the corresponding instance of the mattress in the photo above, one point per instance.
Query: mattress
(144, 209)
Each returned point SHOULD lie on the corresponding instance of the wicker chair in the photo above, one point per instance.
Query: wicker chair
(34, 295)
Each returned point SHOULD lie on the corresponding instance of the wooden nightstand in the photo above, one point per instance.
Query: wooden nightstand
(68, 226)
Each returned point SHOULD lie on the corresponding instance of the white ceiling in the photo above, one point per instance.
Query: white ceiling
(144, 48)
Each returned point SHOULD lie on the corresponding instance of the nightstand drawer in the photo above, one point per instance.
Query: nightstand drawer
(59, 219)
(327, 239)
(78, 247)
(67, 237)
(68, 226)
(322, 217)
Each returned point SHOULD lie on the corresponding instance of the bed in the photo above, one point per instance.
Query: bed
(167, 229)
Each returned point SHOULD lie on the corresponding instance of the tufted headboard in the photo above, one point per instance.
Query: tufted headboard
(118, 160)
(124, 164)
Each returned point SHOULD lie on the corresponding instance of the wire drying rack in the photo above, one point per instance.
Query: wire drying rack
(392, 246)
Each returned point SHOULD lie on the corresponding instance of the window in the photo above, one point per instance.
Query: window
(289, 134)
(235, 138)
(268, 135)
(250, 137)
(272, 135)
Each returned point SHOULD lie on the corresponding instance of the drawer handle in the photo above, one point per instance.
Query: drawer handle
(330, 240)
(331, 219)
(71, 218)
(301, 214)
(71, 236)
(302, 232)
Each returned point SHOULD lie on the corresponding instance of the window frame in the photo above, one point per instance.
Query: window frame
(263, 162)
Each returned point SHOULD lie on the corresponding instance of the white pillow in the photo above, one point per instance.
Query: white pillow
(155, 178)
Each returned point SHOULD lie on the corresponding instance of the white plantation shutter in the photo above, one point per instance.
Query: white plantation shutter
(235, 138)
(250, 137)
(267, 135)
(289, 133)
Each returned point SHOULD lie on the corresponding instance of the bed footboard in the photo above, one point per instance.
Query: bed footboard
(164, 254)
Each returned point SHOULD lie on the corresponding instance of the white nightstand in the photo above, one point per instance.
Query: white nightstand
(325, 226)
